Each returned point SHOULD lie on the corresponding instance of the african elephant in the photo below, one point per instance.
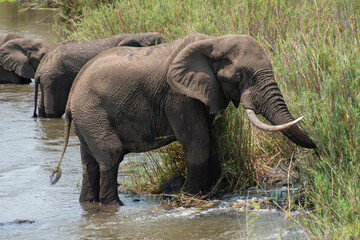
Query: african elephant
(8, 36)
(137, 99)
(19, 59)
(61, 64)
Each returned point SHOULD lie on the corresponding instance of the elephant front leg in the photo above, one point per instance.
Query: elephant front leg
(190, 124)
(197, 174)
(203, 167)
(214, 166)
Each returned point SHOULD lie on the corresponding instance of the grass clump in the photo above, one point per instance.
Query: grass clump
(156, 167)
(234, 139)
(315, 52)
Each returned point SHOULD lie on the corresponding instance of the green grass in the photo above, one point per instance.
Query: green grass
(154, 168)
(315, 51)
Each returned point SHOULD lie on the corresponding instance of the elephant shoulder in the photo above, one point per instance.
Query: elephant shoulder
(49, 61)
(65, 48)
(55, 57)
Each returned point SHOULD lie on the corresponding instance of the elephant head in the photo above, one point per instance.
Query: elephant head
(22, 56)
(8, 36)
(141, 39)
(235, 68)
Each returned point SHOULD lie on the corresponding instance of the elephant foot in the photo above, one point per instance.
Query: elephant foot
(90, 202)
(96, 206)
(173, 185)
(198, 190)
(115, 202)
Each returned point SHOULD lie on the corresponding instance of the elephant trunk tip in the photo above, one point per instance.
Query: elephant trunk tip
(56, 175)
(290, 129)
(299, 137)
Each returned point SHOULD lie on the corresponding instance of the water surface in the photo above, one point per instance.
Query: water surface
(29, 23)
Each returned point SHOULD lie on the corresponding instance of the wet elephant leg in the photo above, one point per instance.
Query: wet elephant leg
(190, 125)
(41, 106)
(197, 165)
(108, 185)
(203, 166)
(110, 153)
(90, 188)
(214, 167)
(107, 149)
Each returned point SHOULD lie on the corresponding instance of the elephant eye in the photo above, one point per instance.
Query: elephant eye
(225, 61)
(239, 75)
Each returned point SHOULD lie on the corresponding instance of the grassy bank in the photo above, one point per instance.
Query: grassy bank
(315, 49)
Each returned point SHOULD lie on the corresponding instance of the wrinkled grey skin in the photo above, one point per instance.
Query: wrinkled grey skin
(61, 64)
(19, 59)
(137, 99)
(8, 36)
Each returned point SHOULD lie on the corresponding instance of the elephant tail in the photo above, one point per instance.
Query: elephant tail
(56, 174)
(36, 96)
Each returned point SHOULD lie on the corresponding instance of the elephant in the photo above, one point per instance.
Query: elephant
(61, 64)
(19, 59)
(137, 99)
(8, 36)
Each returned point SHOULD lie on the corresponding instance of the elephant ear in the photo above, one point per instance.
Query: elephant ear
(8, 36)
(191, 73)
(130, 42)
(15, 57)
(142, 40)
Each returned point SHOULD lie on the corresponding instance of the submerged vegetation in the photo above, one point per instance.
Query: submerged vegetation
(315, 51)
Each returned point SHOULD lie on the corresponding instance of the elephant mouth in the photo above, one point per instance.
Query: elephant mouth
(266, 127)
(236, 103)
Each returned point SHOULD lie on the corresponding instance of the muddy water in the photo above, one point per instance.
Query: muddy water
(30, 23)
(29, 149)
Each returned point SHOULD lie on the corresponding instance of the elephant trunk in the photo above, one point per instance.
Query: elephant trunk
(270, 103)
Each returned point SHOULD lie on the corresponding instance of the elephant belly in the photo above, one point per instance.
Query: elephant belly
(143, 146)
(140, 132)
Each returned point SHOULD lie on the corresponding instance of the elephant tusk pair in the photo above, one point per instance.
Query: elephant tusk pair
(266, 127)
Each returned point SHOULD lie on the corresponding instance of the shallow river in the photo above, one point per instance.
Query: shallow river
(30, 148)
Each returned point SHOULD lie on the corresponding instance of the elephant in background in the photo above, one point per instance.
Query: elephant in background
(8, 36)
(136, 99)
(61, 64)
(20, 57)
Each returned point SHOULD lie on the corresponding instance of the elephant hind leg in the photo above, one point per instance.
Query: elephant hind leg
(107, 151)
(109, 186)
(90, 188)
(109, 155)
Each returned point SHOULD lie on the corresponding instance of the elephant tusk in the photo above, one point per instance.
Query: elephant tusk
(266, 127)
